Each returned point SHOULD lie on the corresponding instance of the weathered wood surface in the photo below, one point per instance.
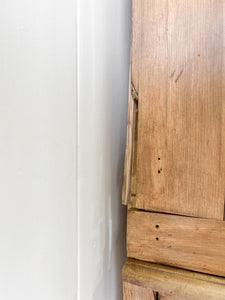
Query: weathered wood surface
(181, 109)
(173, 283)
(128, 164)
(186, 242)
(127, 192)
(136, 43)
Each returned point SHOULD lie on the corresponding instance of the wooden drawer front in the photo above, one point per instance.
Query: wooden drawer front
(147, 281)
(185, 242)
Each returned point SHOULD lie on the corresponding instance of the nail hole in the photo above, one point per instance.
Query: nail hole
(156, 226)
(159, 171)
(158, 158)
(157, 238)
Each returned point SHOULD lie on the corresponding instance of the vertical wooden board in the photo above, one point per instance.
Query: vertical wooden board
(152, 95)
(135, 292)
(128, 163)
(132, 104)
(181, 118)
(135, 43)
(134, 166)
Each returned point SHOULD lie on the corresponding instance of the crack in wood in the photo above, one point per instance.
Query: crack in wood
(134, 92)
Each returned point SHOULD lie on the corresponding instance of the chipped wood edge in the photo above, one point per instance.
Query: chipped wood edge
(131, 125)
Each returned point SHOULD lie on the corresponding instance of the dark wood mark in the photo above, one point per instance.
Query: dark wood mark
(171, 76)
(179, 75)
(134, 92)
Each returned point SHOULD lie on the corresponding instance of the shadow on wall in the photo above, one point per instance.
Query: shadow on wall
(103, 59)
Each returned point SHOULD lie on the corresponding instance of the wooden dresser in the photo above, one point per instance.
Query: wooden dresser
(174, 177)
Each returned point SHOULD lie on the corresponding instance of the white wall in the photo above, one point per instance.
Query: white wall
(103, 65)
(43, 216)
(37, 149)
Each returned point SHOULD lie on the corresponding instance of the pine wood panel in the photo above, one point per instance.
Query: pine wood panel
(130, 142)
(135, 43)
(181, 117)
(186, 242)
(135, 292)
(173, 283)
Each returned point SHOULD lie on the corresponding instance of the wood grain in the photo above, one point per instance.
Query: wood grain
(173, 283)
(181, 110)
(136, 43)
(128, 164)
(185, 242)
(135, 292)
(166, 296)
